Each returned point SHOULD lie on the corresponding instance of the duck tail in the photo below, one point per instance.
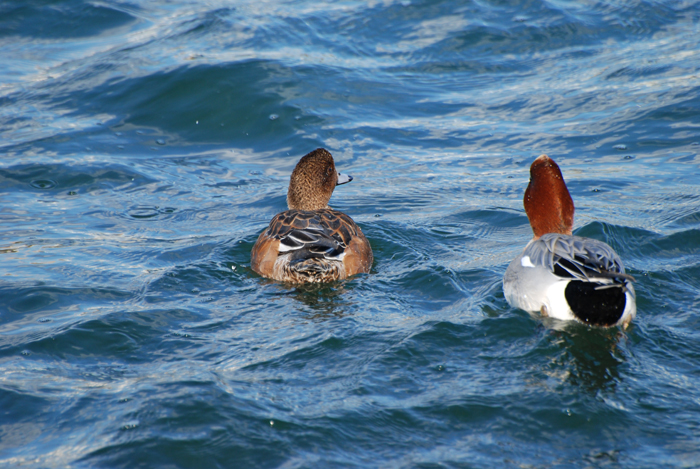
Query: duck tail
(597, 304)
(314, 270)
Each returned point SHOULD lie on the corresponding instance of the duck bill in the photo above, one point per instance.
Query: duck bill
(343, 179)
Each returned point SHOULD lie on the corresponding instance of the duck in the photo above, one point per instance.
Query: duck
(561, 275)
(311, 242)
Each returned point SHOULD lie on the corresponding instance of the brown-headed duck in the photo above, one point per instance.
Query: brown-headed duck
(311, 242)
(560, 275)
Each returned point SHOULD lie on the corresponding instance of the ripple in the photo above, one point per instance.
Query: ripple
(146, 212)
(43, 184)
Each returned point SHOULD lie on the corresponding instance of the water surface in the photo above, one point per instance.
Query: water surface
(143, 147)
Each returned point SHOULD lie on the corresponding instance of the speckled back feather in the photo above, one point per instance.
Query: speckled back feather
(313, 246)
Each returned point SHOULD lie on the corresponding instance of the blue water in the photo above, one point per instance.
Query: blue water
(145, 145)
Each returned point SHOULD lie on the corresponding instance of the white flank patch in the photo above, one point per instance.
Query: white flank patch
(556, 303)
(526, 262)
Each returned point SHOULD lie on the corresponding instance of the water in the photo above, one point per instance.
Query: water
(143, 147)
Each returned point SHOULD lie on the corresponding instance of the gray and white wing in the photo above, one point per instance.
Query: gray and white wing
(584, 259)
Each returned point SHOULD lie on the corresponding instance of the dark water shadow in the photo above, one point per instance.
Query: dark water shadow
(319, 302)
(591, 357)
(41, 19)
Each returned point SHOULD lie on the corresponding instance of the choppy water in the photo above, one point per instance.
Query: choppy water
(143, 147)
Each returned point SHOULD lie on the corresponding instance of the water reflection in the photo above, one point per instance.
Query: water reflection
(322, 301)
(591, 357)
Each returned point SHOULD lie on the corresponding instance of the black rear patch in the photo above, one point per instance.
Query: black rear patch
(602, 307)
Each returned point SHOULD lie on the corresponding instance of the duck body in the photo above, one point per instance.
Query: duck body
(311, 242)
(561, 275)
(571, 278)
(302, 246)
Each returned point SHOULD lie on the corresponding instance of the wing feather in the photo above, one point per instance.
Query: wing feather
(575, 257)
(309, 234)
